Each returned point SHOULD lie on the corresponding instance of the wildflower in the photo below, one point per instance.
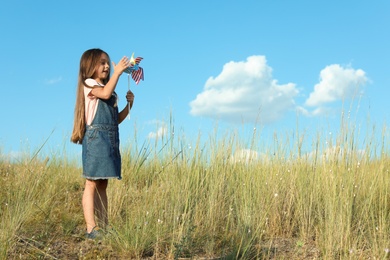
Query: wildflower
(276, 195)
(159, 221)
(387, 250)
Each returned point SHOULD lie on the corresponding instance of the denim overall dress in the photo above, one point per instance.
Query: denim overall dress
(100, 147)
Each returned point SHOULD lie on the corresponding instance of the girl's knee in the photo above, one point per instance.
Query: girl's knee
(90, 184)
(96, 184)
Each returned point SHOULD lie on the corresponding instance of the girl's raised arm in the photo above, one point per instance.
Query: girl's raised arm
(108, 89)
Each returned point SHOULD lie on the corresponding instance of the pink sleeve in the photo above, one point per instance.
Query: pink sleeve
(89, 84)
(91, 102)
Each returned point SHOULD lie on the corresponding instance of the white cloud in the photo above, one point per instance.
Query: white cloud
(319, 111)
(245, 91)
(336, 83)
(53, 81)
(161, 131)
(336, 153)
(244, 156)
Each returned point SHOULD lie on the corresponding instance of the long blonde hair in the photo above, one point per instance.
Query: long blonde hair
(88, 63)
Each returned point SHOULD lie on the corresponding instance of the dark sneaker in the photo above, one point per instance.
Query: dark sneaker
(96, 233)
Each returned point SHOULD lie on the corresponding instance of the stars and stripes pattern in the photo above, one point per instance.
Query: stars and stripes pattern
(138, 60)
(137, 73)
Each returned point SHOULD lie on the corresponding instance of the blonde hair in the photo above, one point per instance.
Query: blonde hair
(88, 62)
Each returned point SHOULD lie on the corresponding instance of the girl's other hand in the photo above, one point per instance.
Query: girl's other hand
(123, 64)
(130, 97)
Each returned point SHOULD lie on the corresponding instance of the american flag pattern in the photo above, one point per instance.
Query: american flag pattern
(137, 73)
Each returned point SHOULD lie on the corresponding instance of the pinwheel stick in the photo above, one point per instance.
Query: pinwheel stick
(136, 73)
(128, 86)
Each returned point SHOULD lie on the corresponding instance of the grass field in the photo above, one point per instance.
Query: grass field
(210, 201)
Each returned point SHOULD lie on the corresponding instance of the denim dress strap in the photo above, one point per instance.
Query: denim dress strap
(101, 157)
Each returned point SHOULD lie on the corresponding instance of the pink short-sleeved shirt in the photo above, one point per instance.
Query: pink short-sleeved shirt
(91, 102)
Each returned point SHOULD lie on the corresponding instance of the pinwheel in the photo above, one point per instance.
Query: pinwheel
(136, 72)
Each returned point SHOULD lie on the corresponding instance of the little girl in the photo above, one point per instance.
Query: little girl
(96, 128)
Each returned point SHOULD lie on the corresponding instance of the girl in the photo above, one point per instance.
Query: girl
(96, 128)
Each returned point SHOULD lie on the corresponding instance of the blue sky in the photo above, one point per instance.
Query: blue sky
(233, 63)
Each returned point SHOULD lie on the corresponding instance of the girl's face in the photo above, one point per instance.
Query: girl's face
(102, 70)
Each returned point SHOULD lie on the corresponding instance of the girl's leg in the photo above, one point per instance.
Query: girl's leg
(88, 204)
(101, 202)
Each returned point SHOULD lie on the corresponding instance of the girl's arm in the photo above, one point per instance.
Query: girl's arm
(123, 114)
(106, 91)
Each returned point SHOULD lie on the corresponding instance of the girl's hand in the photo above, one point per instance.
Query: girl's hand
(130, 97)
(123, 114)
(123, 64)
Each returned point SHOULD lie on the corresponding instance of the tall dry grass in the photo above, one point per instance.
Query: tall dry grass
(188, 199)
